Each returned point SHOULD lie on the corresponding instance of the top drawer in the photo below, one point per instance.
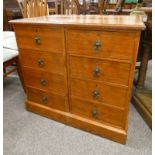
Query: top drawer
(41, 38)
(117, 45)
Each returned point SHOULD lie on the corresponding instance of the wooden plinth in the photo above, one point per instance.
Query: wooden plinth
(103, 130)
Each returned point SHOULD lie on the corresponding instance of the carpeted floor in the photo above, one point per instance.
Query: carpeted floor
(26, 133)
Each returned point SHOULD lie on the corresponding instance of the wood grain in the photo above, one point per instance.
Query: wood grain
(100, 22)
(51, 62)
(46, 98)
(34, 8)
(101, 129)
(113, 44)
(108, 94)
(53, 82)
(105, 114)
(53, 42)
(67, 48)
(110, 71)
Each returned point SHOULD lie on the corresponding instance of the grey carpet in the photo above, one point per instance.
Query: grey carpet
(26, 133)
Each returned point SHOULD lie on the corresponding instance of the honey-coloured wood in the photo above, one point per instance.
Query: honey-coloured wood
(46, 98)
(99, 91)
(45, 61)
(101, 44)
(34, 8)
(97, 112)
(79, 69)
(97, 69)
(101, 129)
(37, 38)
(44, 80)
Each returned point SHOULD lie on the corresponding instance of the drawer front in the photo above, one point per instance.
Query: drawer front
(45, 39)
(97, 112)
(110, 71)
(48, 61)
(45, 98)
(99, 91)
(44, 80)
(118, 45)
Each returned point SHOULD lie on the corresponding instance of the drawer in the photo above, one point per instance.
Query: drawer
(110, 71)
(45, 98)
(99, 91)
(117, 45)
(97, 112)
(44, 80)
(45, 39)
(48, 61)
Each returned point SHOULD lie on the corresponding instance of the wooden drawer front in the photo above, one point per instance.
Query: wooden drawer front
(51, 39)
(97, 112)
(119, 45)
(110, 71)
(48, 61)
(44, 80)
(46, 98)
(99, 91)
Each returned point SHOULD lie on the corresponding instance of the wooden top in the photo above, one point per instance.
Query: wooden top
(101, 21)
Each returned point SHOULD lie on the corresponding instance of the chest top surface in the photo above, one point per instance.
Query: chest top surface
(101, 21)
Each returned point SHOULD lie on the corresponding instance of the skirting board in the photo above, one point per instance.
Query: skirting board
(103, 130)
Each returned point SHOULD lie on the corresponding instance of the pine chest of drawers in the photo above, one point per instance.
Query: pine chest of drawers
(79, 69)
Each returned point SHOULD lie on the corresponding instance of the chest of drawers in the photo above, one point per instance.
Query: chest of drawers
(79, 69)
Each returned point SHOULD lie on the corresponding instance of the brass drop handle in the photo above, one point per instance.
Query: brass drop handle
(94, 112)
(96, 71)
(37, 40)
(43, 82)
(96, 93)
(97, 45)
(45, 99)
(40, 62)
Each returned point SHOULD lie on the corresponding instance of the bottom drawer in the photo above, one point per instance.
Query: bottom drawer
(46, 98)
(97, 112)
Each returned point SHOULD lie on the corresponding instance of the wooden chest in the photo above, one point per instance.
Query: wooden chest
(79, 69)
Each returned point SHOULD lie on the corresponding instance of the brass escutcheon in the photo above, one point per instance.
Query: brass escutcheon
(45, 99)
(37, 40)
(96, 71)
(97, 45)
(40, 62)
(94, 112)
(43, 82)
